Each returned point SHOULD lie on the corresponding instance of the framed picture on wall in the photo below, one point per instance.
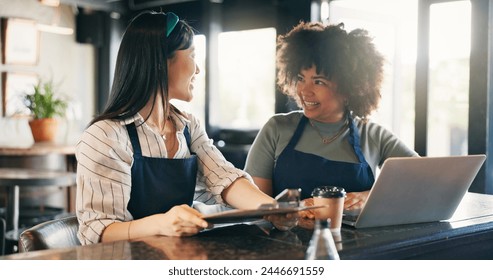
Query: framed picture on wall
(14, 86)
(20, 41)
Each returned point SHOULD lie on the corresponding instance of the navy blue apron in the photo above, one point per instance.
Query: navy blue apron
(158, 184)
(295, 169)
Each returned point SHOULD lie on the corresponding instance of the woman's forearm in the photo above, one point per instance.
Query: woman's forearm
(243, 194)
(129, 230)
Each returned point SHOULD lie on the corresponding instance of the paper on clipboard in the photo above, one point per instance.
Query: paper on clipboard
(237, 215)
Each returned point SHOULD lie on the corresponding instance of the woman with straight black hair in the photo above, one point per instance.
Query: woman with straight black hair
(142, 161)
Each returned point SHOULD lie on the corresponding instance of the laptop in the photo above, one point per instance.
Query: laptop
(416, 190)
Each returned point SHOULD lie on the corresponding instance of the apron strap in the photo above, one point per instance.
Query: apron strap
(134, 138)
(354, 140)
(298, 132)
(186, 132)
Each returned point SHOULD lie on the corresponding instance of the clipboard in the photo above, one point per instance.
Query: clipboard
(237, 215)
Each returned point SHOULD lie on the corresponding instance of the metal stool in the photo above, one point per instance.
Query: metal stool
(15, 178)
(28, 217)
(2, 236)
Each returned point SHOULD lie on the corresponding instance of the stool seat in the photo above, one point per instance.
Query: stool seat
(54, 234)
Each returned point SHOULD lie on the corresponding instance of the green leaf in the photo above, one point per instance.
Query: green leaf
(43, 103)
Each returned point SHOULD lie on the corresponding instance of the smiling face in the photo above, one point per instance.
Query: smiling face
(181, 74)
(318, 97)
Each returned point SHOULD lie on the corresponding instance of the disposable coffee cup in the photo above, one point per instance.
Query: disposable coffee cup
(332, 198)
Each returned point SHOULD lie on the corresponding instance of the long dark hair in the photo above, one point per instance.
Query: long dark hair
(141, 67)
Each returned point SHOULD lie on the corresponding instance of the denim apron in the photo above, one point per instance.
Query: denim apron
(158, 184)
(295, 169)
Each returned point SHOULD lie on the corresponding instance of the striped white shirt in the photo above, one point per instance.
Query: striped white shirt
(105, 157)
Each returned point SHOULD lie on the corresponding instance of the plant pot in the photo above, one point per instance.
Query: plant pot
(44, 129)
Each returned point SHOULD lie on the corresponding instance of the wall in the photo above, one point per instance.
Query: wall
(69, 64)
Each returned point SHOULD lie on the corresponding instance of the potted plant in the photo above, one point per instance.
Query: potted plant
(44, 107)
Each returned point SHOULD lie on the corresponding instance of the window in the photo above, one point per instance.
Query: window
(448, 87)
(393, 24)
(246, 79)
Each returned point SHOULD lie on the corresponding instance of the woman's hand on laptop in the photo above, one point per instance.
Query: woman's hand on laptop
(355, 200)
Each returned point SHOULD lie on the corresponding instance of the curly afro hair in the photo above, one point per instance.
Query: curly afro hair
(350, 60)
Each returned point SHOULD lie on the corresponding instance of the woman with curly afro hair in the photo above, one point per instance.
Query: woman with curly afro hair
(335, 78)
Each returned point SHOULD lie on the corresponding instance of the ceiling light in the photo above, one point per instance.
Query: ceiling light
(53, 3)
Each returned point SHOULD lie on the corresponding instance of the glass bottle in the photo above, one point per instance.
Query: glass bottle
(322, 245)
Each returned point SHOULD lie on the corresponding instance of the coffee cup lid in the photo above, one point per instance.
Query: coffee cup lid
(329, 192)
